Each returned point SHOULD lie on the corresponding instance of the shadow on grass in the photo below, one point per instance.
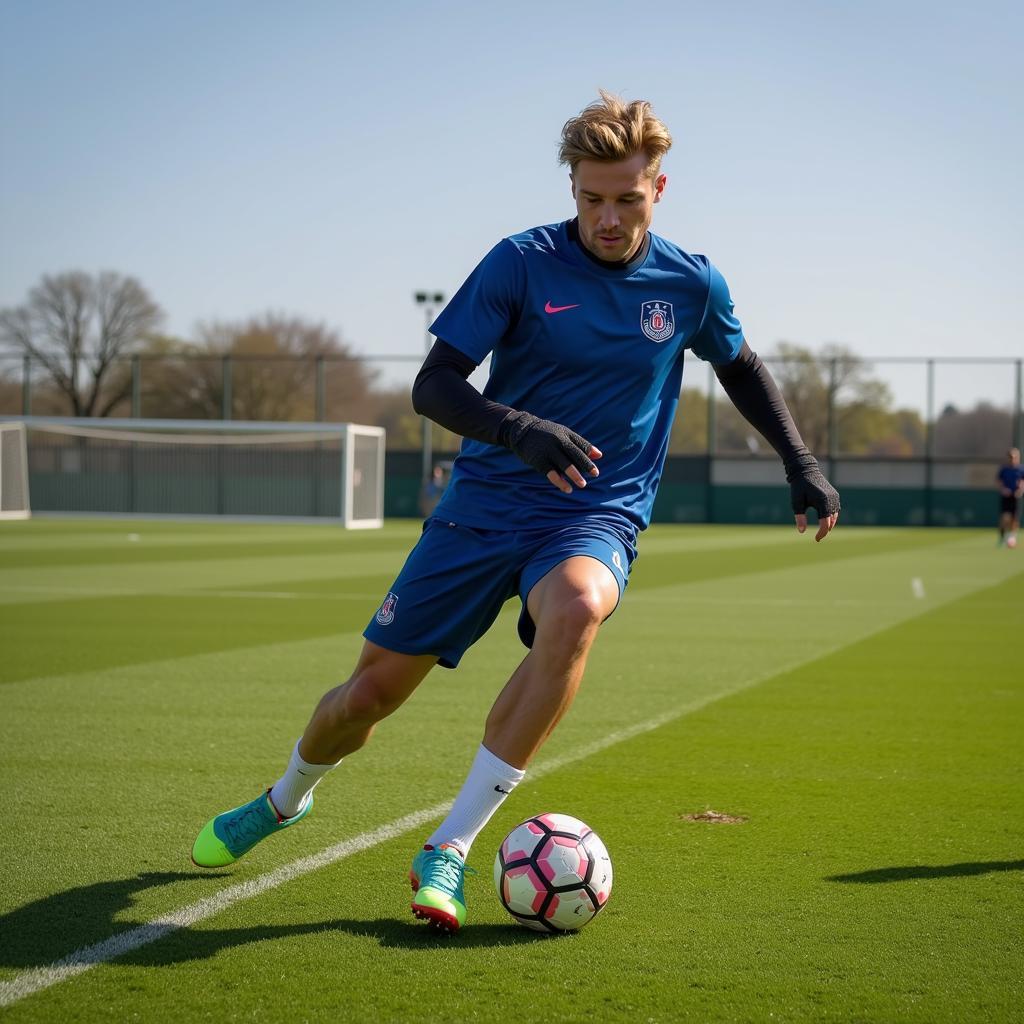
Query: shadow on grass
(45, 930)
(83, 925)
(390, 933)
(914, 871)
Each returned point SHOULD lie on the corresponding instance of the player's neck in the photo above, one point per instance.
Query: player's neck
(631, 263)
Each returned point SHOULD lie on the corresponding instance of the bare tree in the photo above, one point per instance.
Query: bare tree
(10, 390)
(985, 431)
(78, 328)
(273, 372)
(837, 382)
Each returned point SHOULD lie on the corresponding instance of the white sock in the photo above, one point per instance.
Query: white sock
(291, 792)
(489, 782)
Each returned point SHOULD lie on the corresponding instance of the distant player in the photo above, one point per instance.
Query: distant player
(1011, 488)
(430, 493)
(587, 323)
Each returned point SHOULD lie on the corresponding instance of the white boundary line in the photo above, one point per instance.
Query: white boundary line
(38, 978)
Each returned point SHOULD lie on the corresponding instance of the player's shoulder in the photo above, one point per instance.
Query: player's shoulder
(547, 238)
(676, 257)
(511, 255)
(694, 272)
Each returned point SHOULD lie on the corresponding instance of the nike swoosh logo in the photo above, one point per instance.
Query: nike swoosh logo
(548, 308)
(498, 789)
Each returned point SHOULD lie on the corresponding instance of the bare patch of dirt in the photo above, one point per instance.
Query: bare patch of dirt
(716, 817)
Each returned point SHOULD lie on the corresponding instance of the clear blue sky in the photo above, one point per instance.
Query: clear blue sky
(854, 169)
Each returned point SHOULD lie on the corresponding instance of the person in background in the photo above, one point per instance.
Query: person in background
(431, 492)
(1011, 489)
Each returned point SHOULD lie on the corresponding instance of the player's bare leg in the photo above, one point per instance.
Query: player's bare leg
(1005, 526)
(1013, 525)
(345, 717)
(567, 606)
(341, 724)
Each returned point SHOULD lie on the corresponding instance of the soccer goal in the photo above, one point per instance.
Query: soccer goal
(205, 468)
(13, 472)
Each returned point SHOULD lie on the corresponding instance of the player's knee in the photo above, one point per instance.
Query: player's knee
(365, 698)
(581, 614)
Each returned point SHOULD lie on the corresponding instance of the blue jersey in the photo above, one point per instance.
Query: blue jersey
(596, 348)
(1010, 477)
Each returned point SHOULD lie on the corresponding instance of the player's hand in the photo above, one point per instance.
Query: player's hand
(808, 488)
(557, 452)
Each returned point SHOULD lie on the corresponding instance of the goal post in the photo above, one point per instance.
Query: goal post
(362, 478)
(14, 503)
(210, 468)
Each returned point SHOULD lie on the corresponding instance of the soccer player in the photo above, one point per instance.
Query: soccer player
(587, 323)
(430, 493)
(1011, 488)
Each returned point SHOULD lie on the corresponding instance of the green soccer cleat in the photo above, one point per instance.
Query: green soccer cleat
(230, 835)
(436, 877)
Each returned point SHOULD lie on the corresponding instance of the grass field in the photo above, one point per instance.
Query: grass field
(857, 702)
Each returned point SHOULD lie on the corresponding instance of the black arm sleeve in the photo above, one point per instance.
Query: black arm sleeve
(442, 393)
(755, 394)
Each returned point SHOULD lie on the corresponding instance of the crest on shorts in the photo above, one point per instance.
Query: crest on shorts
(657, 320)
(386, 615)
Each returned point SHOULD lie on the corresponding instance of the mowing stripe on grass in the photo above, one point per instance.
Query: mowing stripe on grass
(84, 592)
(38, 978)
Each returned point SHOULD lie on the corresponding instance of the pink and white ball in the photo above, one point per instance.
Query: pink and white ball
(553, 873)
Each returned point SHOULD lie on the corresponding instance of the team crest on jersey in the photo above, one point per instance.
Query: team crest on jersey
(657, 320)
(386, 615)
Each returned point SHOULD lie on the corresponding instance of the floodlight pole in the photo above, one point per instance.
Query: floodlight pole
(429, 301)
(1018, 425)
(26, 386)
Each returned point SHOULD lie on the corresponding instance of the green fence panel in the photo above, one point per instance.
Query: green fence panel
(965, 507)
(684, 496)
(79, 492)
(680, 503)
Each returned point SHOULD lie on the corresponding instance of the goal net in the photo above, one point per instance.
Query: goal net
(13, 472)
(207, 468)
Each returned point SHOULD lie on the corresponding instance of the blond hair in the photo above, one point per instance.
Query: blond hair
(612, 129)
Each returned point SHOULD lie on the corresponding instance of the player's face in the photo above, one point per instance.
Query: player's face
(615, 201)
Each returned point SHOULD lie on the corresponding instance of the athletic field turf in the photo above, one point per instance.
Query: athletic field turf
(857, 704)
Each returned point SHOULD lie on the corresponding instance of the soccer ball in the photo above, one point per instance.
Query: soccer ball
(553, 873)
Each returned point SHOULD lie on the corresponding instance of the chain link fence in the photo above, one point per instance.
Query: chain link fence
(889, 408)
(911, 440)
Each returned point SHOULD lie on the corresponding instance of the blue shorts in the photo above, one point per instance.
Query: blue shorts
(456, 579)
